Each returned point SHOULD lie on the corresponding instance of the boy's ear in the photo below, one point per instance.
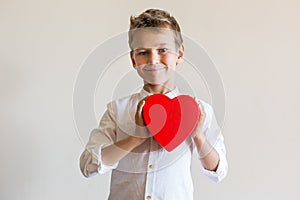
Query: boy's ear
(132, 59)
(180, 54)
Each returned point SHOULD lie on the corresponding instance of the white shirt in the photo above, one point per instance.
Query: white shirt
(149, 171)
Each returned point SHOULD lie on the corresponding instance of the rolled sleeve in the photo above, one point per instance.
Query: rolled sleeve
(102, 169)
(105, 135)
(222, 167)
(214, 136)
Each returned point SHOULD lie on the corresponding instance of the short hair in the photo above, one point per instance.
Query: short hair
(155, 18)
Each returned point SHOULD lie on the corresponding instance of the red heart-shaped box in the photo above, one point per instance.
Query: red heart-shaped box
(171, 121)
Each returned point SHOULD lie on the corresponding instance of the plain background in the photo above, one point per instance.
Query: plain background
(255, 45)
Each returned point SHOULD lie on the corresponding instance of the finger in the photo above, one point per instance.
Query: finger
(201, 107)
(141, 101)
(202, 112)
(140, 106)
(139, 113)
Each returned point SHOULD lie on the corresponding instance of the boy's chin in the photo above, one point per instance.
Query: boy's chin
(154, 83)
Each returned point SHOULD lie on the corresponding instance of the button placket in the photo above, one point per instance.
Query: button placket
(151, 174)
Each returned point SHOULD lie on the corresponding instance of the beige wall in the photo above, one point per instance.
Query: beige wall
(255, 45)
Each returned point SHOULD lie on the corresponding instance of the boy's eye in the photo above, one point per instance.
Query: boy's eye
(163, 50)
(142, 53)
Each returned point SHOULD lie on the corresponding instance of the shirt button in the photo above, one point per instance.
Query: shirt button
(148, 197)
(151, 167)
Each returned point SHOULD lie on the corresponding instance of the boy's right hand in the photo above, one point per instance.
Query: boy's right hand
(141, 130)
(139, 119)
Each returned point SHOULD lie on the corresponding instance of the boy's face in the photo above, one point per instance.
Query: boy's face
(155, 55)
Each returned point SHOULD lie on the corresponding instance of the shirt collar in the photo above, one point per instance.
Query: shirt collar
(173, 93)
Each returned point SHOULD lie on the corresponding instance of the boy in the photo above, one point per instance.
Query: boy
(141, 168)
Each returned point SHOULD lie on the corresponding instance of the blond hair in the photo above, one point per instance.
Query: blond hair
(155, 18)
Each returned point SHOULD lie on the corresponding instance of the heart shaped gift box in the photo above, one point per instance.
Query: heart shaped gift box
(171, 121)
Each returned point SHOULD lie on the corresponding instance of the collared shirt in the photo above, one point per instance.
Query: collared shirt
(149, 171)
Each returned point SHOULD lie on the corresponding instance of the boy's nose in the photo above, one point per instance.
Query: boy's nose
(153, 58)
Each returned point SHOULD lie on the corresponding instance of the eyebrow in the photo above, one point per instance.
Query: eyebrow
(158, 45)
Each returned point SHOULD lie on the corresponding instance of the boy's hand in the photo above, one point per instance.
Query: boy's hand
(198, 130)
(139, 120)
(141, 130)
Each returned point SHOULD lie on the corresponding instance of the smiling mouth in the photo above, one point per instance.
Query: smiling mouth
(154, 69)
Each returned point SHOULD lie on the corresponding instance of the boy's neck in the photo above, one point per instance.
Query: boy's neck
(158, 89)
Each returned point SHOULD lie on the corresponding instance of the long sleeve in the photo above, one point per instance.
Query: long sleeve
(213, 134)
(105, 135)
(149, 171)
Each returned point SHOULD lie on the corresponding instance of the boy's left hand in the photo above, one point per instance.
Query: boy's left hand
(198, 130)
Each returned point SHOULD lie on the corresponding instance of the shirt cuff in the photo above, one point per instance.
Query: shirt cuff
(102, 168)
(221, 171)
